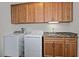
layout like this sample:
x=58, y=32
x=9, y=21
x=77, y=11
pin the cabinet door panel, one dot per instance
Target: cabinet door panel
x=56, y=11
x=14, y=15
x=67, y=11
x=59, y=11
x=48, y=49
x=31, y=12
x=70, y=50
x=39, y=17
x=48, y=11
x=73, y=49
x=70, y=47
x=23, y=13
x=59, y=48
x=54, y=47
x=67, y=50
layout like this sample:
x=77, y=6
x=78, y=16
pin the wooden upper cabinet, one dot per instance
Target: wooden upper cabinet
x=67, y=11
x=14, y=15
x=57, y=11
x=23, y=13
x=48, y=11
x=53, y=11
x=39, y=15
x=39, y=12
x=31, y=12
x=19, y=13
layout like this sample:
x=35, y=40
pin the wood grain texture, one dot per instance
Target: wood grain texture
x=67, y=11
x=70, y=47
x=48, y=11
x=39, y=15
x=14, y=14
x=23, y=13
x=60, y=47
x=31, y=12
x=53, y=47
x=43, y=12
x=56, y=11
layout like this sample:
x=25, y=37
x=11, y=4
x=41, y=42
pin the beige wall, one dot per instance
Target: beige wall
x=7, y=27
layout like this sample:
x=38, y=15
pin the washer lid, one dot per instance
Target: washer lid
x=32, y=35
x=14, y=35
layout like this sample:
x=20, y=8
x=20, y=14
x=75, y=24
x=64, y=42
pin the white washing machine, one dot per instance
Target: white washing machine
x=13, y=45
x=33, y=45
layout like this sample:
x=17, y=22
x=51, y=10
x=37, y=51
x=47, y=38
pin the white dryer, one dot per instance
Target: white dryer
x=33, y=45
x=13, y=45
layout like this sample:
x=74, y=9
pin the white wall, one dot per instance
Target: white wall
x=7, y=27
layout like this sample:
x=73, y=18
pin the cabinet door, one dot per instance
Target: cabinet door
x=31, y=12
x=73, y=50
x=48, y=11
x=23, y=13
x=57, y=11
x=48, y=50
x=14, y=14
x=54, y=47
x=59, y=48
x=67, y=11
x=70, y=48
x=39, y=17
x=48, y=47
